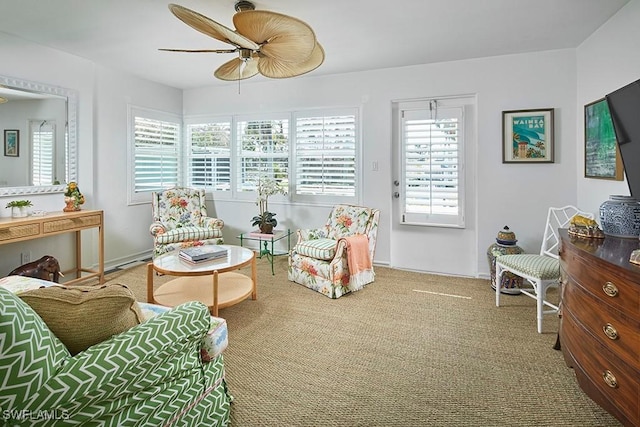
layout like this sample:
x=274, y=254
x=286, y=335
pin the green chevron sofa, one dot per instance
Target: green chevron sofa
x=158, y=373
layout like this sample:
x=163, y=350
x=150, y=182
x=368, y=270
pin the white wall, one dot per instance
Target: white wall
x=103, y=95
x=35, y=63
x=607, y=60
x=126, y=227
x=517, y=195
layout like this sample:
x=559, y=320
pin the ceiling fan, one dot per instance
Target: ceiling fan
x=268, y=43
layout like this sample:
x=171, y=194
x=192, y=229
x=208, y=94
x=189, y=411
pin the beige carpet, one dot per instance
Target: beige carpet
x=408, y=350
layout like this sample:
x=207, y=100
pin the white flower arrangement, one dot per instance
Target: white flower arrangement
x=267, y=187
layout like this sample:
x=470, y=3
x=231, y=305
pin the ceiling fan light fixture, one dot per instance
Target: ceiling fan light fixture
x=269, y=43
x=245, y=54
x=237, y=69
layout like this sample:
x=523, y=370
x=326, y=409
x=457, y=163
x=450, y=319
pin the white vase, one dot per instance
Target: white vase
x=19, y=211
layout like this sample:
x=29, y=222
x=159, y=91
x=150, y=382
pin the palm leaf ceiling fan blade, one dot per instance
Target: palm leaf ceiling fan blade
x=211, y=28
x=281, y=37
x=267, y=43
x=274, y=69
x=237, y=69
x=201, y=50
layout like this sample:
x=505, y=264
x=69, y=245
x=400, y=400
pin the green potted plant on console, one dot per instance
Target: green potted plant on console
x=19, y=208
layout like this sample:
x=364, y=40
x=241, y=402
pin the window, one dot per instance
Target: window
x=42, y=133
x=263, y=150
x=209, y=155
x=431, y=145
x=325, y=156
x=156, y=152
x=313, y=154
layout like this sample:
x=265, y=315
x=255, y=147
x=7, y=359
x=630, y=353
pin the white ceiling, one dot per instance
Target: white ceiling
x=356, y=34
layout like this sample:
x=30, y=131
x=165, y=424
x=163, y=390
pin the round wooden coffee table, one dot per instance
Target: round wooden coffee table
x=213, y=283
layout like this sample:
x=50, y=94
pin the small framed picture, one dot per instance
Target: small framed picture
x=527, y=136
x=601, y=153
x=11, y=142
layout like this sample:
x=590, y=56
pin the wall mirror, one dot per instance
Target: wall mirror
x=38, y=126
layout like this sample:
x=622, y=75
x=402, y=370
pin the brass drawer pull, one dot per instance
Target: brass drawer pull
x=610, y=289
x=610, y=331
x=610, y=379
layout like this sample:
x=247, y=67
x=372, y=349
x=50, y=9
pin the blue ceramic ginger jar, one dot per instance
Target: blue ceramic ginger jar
x=620, y=216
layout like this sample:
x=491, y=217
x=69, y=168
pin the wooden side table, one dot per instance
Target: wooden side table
x=213, y=283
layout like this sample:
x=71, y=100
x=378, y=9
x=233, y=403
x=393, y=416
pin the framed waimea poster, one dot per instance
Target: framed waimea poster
x=601, y=153
x=11, y=143
x=527, y=136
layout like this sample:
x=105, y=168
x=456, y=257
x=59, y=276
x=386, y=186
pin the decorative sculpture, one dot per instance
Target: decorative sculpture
x=581, y=226
x=72, y=197
x=46, y=268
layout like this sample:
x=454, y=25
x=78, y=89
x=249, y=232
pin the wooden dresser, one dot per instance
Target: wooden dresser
x=600, y=324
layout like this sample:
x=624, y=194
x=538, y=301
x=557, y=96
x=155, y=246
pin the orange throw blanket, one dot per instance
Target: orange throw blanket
x=360, y=265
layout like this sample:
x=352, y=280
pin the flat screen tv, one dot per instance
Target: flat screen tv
x=624, y=105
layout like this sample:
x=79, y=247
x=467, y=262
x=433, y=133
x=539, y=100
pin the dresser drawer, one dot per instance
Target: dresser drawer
x=614, y=379
x=602, y=281
x=615, y=330
x=66, y=224
x=17, y=232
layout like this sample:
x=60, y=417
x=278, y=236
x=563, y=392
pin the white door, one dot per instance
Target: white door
x=433, y=225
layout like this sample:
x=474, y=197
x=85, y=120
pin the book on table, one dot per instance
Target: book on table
x=203, y=253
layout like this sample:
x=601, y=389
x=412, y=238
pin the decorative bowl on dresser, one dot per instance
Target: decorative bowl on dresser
x=600, y=321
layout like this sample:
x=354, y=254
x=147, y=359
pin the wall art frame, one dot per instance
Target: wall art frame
x=12, y=142
x=528, y=136
x=602, y=159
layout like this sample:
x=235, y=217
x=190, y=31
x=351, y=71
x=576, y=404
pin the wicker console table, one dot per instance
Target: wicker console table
x=14, y=230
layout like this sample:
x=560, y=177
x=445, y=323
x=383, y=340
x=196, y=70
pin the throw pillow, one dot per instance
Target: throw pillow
x=82, y=316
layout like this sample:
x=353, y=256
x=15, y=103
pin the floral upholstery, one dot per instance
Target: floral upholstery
x=319, y=258
x=180, y=220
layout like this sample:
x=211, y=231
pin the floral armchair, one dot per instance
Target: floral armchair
x=180, y=220
x=320, y=260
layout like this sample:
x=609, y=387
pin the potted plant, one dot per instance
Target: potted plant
x=265, y=220
x=19, y=208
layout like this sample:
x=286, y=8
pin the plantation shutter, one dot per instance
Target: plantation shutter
x=42, y=152
x=156, y=154
x=263, y=152
x=431, y=163
x=325, y=155
x=209, y=155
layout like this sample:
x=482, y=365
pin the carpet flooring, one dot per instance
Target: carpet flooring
x=410, y=349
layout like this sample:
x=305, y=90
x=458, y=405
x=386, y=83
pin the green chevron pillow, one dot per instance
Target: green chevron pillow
x=29, y=352
x=82, y=316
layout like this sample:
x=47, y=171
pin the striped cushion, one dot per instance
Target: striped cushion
x=317, y=248
x=537, y=266
x=184, y=234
